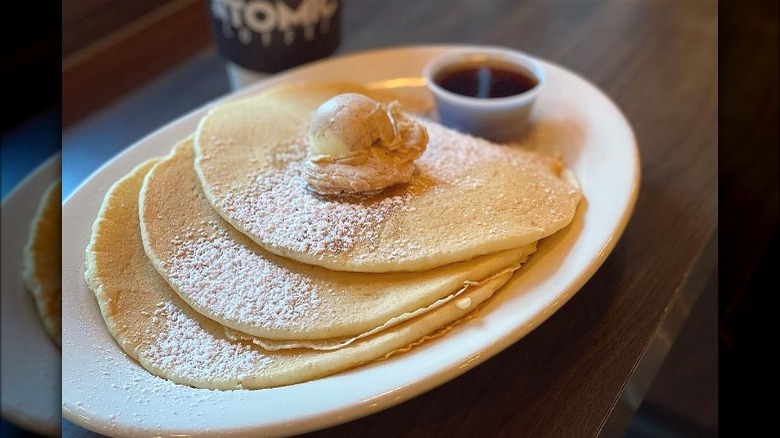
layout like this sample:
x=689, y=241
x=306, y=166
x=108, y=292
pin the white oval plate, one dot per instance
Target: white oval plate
x=105, y=391
x=30, y=372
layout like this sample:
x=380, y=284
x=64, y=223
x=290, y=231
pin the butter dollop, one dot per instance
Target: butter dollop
x=359, y=146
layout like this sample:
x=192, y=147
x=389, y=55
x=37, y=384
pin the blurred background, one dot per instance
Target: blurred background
x=119, y=56
x=31, y=136
x=31, y=91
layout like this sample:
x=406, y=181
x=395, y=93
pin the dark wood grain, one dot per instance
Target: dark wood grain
x=86, y=21
x=114, y=65
x=658, y=61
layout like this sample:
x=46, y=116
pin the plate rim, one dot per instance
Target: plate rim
x=420, y=385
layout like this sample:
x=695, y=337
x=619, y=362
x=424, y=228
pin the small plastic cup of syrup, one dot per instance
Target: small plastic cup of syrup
x=487, y=92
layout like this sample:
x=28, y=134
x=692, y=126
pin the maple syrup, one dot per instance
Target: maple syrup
x=485, y=81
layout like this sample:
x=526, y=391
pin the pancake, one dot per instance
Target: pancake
x=230, y=279
x=469, y=197
x=42, y=261
x=171, y=340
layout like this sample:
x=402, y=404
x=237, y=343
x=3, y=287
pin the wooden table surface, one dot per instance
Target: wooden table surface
x=584, y=371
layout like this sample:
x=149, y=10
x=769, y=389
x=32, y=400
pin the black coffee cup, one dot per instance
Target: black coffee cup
x=260, y=37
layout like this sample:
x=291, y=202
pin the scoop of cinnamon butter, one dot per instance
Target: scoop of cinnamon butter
x=359, y=146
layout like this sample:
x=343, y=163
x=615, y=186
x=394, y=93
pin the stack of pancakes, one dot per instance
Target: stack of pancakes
x=216, y=267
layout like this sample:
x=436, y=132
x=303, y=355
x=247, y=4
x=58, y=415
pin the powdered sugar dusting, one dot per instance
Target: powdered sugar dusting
x=451, y=155
x=189, y=351
x=218, y=272
x=126, y=390
x=277, y=208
